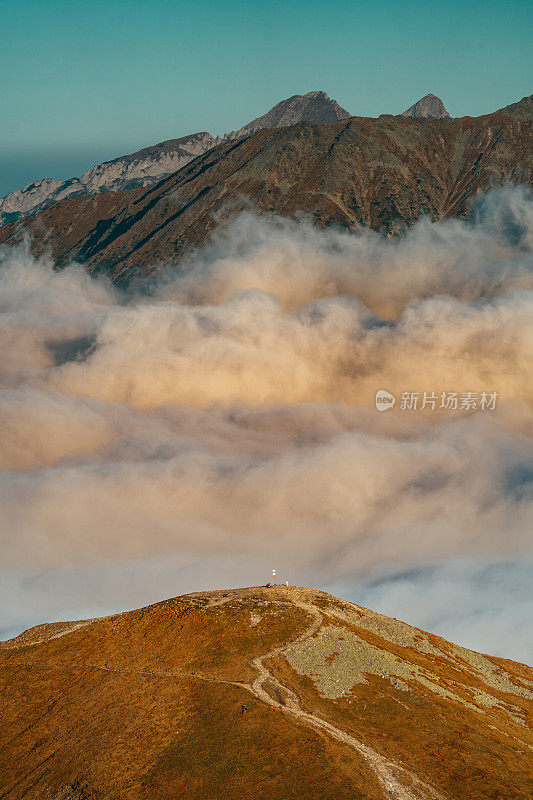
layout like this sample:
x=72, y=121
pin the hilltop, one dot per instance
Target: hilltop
x=340, y=700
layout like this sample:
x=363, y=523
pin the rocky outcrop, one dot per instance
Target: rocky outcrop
x=142, y=168
x=36, y=196
x=523, y=109
x=428, y=107
x=151, y=164
x=147, y=165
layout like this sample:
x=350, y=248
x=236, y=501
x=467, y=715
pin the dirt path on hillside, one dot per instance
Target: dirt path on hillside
x=67, y=627
x=398, y=782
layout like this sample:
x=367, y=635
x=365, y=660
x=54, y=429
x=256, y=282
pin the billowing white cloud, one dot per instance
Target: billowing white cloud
x=221, y=416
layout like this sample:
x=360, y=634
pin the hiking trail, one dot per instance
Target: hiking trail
x=398, y=782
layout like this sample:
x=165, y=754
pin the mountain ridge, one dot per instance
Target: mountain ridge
x=382, y=174
x=314, y=106
x=150, y=164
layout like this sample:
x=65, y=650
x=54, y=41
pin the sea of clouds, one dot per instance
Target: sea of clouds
x=217, y=420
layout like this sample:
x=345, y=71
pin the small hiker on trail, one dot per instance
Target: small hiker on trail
x=244, y=709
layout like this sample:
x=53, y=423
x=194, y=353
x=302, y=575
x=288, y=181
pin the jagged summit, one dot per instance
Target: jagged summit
x=428, y=107
x=310, y=107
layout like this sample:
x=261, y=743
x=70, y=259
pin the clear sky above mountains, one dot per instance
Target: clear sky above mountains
x=85, y=82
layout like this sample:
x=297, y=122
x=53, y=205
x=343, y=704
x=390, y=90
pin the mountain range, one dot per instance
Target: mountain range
x=259, y=692
x=382, y=174
x=151, y=164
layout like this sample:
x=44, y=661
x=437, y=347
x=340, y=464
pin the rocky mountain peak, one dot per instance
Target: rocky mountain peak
x=428, y=107
x=311, y=107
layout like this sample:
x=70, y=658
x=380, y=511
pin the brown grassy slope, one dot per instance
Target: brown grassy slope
x=104, y=712
x=379, y=173
x=138, y=705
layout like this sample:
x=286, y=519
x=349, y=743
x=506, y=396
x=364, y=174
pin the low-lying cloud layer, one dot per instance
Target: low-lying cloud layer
x=221, y=418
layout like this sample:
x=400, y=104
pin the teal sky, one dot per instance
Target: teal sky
x=82, y=82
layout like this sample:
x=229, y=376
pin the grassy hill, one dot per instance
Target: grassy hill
x=342, y=703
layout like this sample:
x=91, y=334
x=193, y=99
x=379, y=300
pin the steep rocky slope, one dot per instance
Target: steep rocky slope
x=381, y=173
x=342, y=703
x=145, y=167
